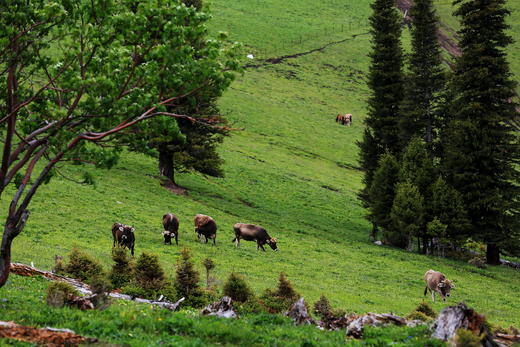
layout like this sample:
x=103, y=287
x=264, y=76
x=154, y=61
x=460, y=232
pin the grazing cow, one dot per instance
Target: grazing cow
x=171, y=228
x=437, y=282
x=123, y=236
x=252, y=232
x=205, y=226
x=348, y=119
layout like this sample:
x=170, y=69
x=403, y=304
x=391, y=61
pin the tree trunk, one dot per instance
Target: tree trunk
x=492, y=254
x=5, y=255
x=425, y=245
x=166, y=164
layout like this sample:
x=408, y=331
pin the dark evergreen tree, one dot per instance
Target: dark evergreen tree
x=382, y=191
x=426, y=78
x=448, y=208
x=480, y=147
x=407, y=216
x=386, y=83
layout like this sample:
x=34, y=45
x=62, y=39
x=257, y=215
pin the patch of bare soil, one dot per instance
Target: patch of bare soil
x=42, y=336
x=172, y=187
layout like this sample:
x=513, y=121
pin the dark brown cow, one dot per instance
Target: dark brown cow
x=252, y=232
x=437, y=282
x=171, y=228
x=123, y=236
x=205, y=226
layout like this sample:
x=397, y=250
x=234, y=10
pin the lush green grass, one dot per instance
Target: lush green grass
x=292, y=169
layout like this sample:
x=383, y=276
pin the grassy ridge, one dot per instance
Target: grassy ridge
x=292, y=169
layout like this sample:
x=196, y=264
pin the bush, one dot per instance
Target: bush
x=123, y=271
x=280, y=299
x=149, y=274
x=101, y=287
x=209, y=265
x=58, y=292
x=465, y=338
x=187, y=280
x=423, y=307
x=58, y=268
x=478, y=261
x=237, y=289
x=322, y=307
x=82, y=266
x=416, y=315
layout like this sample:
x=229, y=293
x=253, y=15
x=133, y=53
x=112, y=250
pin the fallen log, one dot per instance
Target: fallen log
x=356, y=326
x=83, y=288
x=42, y=336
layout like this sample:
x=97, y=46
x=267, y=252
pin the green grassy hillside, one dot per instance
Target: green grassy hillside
x=291, y=169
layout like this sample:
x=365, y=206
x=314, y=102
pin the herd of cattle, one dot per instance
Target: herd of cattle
x=205, y=227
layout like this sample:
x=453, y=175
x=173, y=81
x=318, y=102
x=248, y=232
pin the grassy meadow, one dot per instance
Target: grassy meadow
x=290, y=168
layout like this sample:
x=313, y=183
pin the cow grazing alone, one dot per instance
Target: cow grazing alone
x=171, y=228
x=252, y=232
x=344, y=119
x=437, y=282
x=205, y=226
x=123, y=236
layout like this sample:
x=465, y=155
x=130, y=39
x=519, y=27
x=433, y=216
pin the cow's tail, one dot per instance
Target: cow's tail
x=425, y=290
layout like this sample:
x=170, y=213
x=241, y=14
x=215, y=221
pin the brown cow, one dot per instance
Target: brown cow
x=171, y=227
x=437, y=282
x=344, y=119
x=123, y=236
x=252, y=232
x=205, y=226
x=348, y=119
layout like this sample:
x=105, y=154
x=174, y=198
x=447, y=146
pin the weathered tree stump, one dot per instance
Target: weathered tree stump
x=43, y=336
x=298, y=313
x=222, y=308
x=457, y=317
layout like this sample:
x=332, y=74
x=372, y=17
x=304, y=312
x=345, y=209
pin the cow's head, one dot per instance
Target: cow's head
x=272, y=243
x=445, y=287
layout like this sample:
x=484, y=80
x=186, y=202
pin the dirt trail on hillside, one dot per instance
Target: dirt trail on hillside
x=446, y=42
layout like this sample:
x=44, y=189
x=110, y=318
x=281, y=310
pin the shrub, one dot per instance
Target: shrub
x=425, y=308
x=149, y=274
x=134, y=290
x=478, y=261
x=58, y=292
x=208, y=265
x=101, y=287
x=465, y=338
x=58, y=268
x=322, y=307
x=82, y=266
x=237, y=289
x=187, y=280
x=416, y=315
x=123, y=271
x=280, y=299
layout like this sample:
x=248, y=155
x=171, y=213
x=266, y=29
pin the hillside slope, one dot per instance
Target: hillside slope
x=292, y=169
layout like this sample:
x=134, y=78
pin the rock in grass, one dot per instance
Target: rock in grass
x=222, y=308
x=298, y=313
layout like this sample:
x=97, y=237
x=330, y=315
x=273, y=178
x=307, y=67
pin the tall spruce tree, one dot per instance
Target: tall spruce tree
x=407, y=216
x=480, y=148
x=382, y=192
x=426, y=78
x=386, y=83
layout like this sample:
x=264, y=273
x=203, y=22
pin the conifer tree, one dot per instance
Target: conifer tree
x=426, y=78
x=382, y=191
x=407, y=216
x=386, y=83
x=480, y=148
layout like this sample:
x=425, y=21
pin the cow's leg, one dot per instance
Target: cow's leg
x=237, y=242
x=214, y=240
x=176, y=239
x=206, y=239
x=262, y=246
x=433, y=295
x=132, y=250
